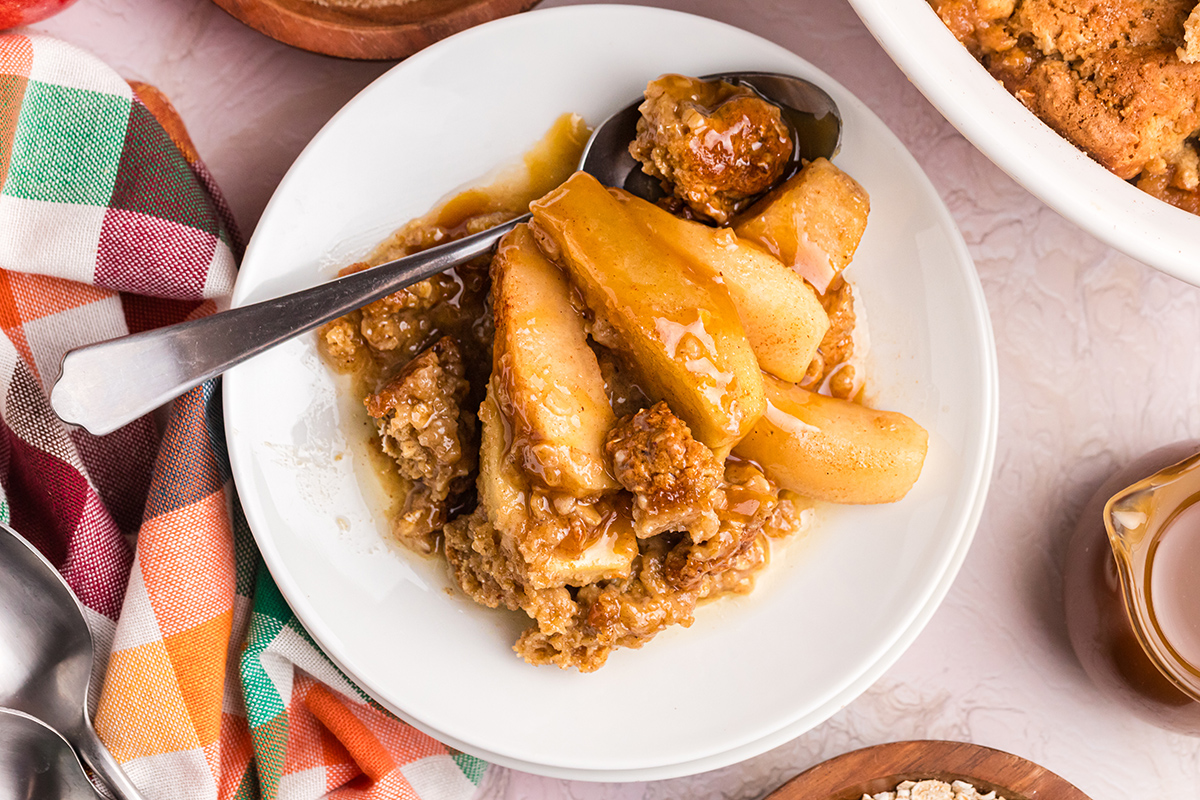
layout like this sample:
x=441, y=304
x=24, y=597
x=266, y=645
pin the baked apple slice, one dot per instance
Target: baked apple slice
x=782, y=315
x=813, y=222
x=834, y=450
x=676, y=325
x=547, y=379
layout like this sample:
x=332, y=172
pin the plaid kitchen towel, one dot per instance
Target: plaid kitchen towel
x=109, y=224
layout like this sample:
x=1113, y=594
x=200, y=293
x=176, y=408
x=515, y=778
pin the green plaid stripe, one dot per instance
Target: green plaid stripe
x=270, y=753
x=266, y=709
x=248, y=788
x=271, y=613
x=472, y=767
x=67, y=145
x=155, y=180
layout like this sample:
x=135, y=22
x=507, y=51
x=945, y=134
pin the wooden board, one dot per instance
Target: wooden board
x=881, y=768
x=391, y=32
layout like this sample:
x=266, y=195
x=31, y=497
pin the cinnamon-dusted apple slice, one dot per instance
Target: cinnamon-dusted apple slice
x=834, y=450
x=676, y=326
x=813, y=222
x=782, y=315
x=547, y=379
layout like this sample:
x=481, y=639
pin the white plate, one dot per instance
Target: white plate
x=1059, y=174
x=828, y=617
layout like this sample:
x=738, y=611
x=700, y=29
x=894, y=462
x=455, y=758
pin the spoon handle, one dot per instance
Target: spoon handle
x=96, y=755
x=106, y=385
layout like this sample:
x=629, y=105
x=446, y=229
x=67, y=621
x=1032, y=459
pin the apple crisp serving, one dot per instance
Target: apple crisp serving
x=609, y=419
x=1120, y=79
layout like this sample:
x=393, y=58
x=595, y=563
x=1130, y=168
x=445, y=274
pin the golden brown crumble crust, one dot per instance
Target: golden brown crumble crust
x=1118, y=78
x=747, y=502
x=674, y=479
x=673, y=571
x=425, y=428
x=478, y=561
x=627, y=612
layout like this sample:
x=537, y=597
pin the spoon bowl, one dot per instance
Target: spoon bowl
x=46, y=648
x=36, y=762
x=807, y=109
x=171, y=360
x=46, y=657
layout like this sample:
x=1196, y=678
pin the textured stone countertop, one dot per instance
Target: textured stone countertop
x=1099, y=361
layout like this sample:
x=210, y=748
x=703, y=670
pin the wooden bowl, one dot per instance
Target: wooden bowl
x=881, y=768
x=386, y=33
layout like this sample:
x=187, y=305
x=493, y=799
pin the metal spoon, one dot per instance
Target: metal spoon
x=46, y=654
x=106, y=385
x=35, y=762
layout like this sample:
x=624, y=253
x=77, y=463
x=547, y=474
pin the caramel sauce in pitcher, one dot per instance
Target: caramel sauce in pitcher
x=1174, y=588
x=1132, y=597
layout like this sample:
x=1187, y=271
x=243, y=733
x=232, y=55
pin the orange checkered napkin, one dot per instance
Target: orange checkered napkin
x=109, y=224
x=213, y=681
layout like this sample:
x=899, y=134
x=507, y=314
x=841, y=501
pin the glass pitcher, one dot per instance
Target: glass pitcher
x=1132, y=587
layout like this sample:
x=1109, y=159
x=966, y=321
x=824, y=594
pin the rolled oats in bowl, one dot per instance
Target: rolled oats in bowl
x=933, y=790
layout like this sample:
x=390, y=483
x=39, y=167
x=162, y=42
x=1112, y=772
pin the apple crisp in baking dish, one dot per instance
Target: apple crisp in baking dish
x=1120, y=79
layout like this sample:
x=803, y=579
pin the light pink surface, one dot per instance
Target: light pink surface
x=1098, y=363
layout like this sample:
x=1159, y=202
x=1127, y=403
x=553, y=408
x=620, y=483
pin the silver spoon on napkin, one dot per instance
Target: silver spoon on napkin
x=106, y=385
x=46, y=656
x=36, y=762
